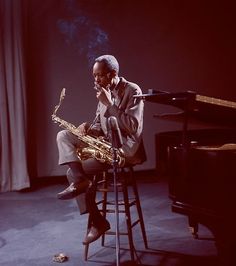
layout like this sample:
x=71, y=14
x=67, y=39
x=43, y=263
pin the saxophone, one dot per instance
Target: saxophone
x=97, y=148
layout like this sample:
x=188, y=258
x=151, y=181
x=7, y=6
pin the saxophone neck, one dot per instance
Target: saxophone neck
x=56, y=119
x=53, y=117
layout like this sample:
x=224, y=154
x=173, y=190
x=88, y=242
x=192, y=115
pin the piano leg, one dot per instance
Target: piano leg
x=193, y=227
x=225, y=239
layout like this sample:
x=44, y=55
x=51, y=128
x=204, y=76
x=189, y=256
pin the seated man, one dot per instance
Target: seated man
x=115, y=98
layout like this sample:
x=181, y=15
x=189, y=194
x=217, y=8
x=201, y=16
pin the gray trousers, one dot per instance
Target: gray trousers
x=67, y=144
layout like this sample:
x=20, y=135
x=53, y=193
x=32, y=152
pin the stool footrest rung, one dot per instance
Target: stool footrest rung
x=111, y=211
x=112, y=233
x=106, y=190
x=120, y=202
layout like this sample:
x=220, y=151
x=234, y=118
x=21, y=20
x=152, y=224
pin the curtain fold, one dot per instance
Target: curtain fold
x=13, y=105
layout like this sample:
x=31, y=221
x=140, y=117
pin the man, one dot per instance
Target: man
x=115, y=98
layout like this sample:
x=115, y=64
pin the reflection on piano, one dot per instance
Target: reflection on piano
x=202, y=178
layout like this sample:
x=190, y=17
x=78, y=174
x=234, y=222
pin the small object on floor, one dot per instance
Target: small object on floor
x=61, y=257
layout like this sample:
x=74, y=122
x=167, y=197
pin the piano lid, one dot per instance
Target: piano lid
x=205, y=108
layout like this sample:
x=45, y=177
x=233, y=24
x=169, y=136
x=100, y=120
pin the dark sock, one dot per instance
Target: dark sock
x=96, y=217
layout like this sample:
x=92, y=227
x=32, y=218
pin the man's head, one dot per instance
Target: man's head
x=105, y=69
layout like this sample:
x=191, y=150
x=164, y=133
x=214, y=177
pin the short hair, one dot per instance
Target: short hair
x=110, y=61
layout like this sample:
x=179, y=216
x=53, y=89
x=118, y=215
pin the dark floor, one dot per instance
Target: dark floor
x=35, y=225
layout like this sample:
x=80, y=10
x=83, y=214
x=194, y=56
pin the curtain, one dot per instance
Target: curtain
x=13, y=121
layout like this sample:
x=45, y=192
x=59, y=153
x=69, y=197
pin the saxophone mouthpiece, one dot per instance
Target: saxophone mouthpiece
x=62, y=96
x=63, y=93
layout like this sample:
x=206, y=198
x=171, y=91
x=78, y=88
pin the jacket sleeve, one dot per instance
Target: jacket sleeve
x=96, y=129
x=129, y=113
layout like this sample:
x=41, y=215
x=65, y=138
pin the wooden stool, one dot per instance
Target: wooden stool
x=105, y=185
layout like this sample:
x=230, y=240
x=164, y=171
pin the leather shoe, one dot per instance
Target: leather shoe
x=94, y=233
x=74, y=190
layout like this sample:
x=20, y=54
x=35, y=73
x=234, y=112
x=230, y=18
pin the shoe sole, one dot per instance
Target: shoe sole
x=74, y=194
x=102, y=233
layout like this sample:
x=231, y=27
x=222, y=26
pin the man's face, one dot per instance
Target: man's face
x=101, y=75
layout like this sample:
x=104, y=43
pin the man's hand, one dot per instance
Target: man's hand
x=82, y=129
x=103, y=95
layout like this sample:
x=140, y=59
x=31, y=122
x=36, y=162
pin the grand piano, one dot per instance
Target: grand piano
x=202, y=175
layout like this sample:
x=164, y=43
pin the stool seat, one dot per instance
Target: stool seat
x=128, y=198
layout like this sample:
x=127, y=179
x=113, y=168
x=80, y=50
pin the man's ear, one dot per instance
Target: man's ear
x=111, y=74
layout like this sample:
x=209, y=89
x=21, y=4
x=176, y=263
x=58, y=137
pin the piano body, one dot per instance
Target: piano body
x=201, y=177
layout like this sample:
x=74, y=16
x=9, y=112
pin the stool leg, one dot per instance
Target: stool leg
x=89, y=222
x=128, y=218
x=87, y=246
x=139, y=210
x=125, y=190
x=104, y=202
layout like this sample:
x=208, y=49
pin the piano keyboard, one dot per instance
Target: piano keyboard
x=215, y=101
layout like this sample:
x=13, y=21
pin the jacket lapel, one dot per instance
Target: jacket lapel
x=121, y=91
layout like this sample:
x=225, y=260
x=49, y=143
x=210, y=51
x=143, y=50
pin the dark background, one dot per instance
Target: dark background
x=163, y=45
